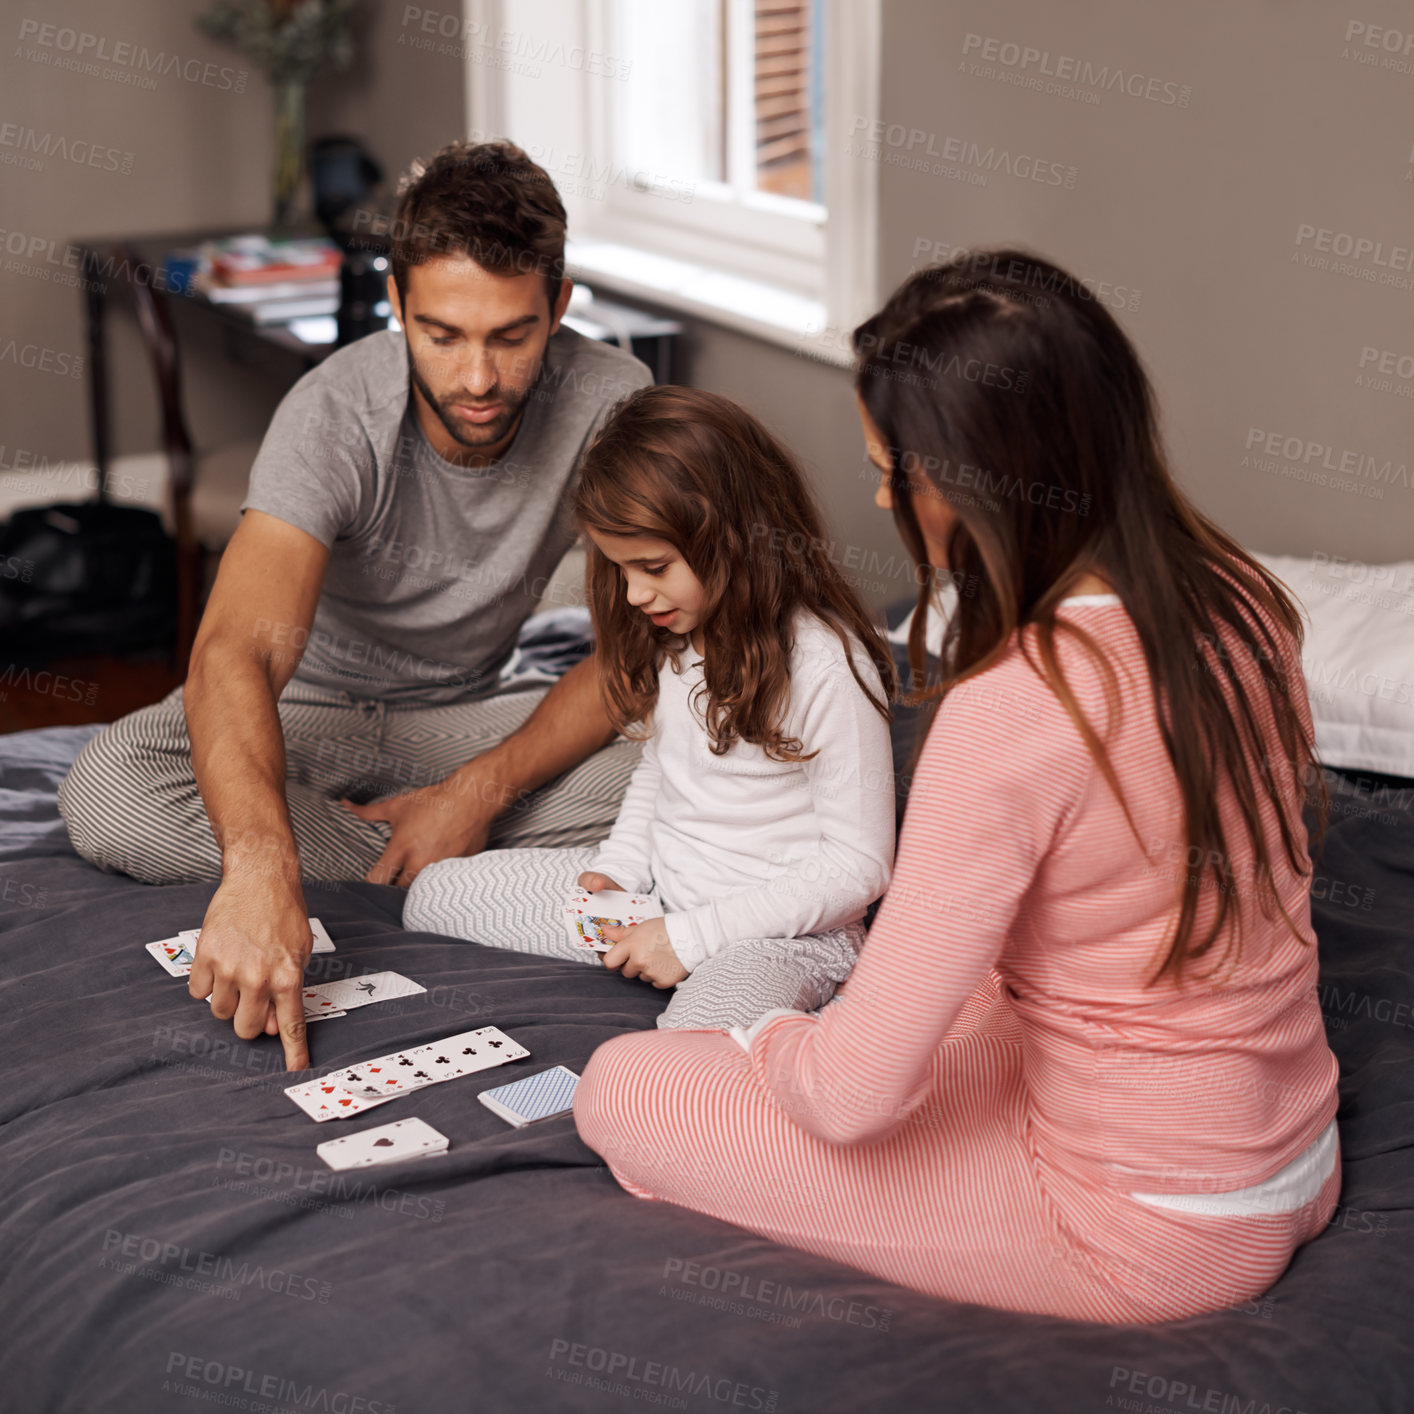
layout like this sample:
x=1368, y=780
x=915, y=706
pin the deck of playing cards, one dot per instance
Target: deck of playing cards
x=534, y=1097
x=384, y=1144
x=587, y=914
x=356, y=1088
x=175, y=955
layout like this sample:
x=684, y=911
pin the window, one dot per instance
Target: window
x=726, y=92
x=700, y=146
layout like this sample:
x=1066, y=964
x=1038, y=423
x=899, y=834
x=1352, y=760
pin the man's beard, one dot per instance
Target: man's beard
x=474, y=435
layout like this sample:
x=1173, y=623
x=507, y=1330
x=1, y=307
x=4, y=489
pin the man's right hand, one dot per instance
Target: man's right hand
x=250, y=960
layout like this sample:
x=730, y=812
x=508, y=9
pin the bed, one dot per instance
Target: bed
x=169, y=1239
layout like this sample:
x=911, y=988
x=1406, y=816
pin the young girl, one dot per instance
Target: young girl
x=1073, y=1073
x=761, y=813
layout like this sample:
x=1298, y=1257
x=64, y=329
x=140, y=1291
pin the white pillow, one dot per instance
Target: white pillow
x=1358, y=658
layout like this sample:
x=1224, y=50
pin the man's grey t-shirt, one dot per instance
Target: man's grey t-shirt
x=433, y=567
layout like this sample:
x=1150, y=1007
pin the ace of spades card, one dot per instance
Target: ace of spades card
x=388, y=1143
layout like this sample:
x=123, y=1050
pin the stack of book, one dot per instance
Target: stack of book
x=270, y=281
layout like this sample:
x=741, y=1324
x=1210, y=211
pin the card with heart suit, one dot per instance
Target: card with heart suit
x=387, y=1076
x=384, y=1144
x=586, y=914
x=350, y=992
x=175, y=955
x=322, y=1099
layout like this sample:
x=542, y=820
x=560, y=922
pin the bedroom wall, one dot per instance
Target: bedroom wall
x=1194, y=213
x=181, y=157
x=1197, y=220
x=189, y=154
x=1200, y=203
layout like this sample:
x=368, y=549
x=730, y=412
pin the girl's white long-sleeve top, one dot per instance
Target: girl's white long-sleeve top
x=741, y=846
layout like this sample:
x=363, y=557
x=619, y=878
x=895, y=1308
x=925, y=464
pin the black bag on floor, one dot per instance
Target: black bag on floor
x=85, y=577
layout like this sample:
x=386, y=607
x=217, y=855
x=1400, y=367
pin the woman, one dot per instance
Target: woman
x=1080, y=1067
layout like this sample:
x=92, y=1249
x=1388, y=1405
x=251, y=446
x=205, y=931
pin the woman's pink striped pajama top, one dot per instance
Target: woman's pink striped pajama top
x=973, y=1115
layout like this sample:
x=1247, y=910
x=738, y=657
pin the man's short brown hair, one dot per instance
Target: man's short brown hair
x=484, y=200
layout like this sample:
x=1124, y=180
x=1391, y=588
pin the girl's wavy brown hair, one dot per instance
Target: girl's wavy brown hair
x=1000, y=365
x=696, y=470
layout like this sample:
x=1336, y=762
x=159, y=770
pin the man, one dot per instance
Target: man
x=407, y=507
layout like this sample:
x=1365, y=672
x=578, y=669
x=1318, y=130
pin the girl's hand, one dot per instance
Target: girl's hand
x=643, y=950
x=596, y=883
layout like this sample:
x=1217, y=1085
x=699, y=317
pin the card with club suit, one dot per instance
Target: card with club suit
x=403, y=1071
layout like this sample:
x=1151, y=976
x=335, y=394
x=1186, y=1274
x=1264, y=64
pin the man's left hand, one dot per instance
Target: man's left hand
x=442, y=821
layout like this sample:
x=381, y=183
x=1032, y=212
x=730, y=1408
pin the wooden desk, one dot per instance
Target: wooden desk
x=108, y=263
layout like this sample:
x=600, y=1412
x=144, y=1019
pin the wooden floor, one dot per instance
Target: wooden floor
x=73, y=691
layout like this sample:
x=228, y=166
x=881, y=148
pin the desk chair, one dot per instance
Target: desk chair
x=205, y=489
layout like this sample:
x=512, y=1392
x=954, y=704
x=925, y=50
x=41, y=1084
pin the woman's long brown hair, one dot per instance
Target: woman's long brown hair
x=998, y=372
x=696, y=470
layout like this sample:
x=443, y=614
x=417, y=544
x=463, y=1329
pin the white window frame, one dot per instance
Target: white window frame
x=788, y=271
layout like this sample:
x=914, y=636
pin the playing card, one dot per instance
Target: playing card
x=174, y=954
x=587, y=914
x=321, y=1100
x=322, y=941
x=540, y=1096
x=177, y=954
x=350, y=992
x=403, y=1071
x=384, y=1144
